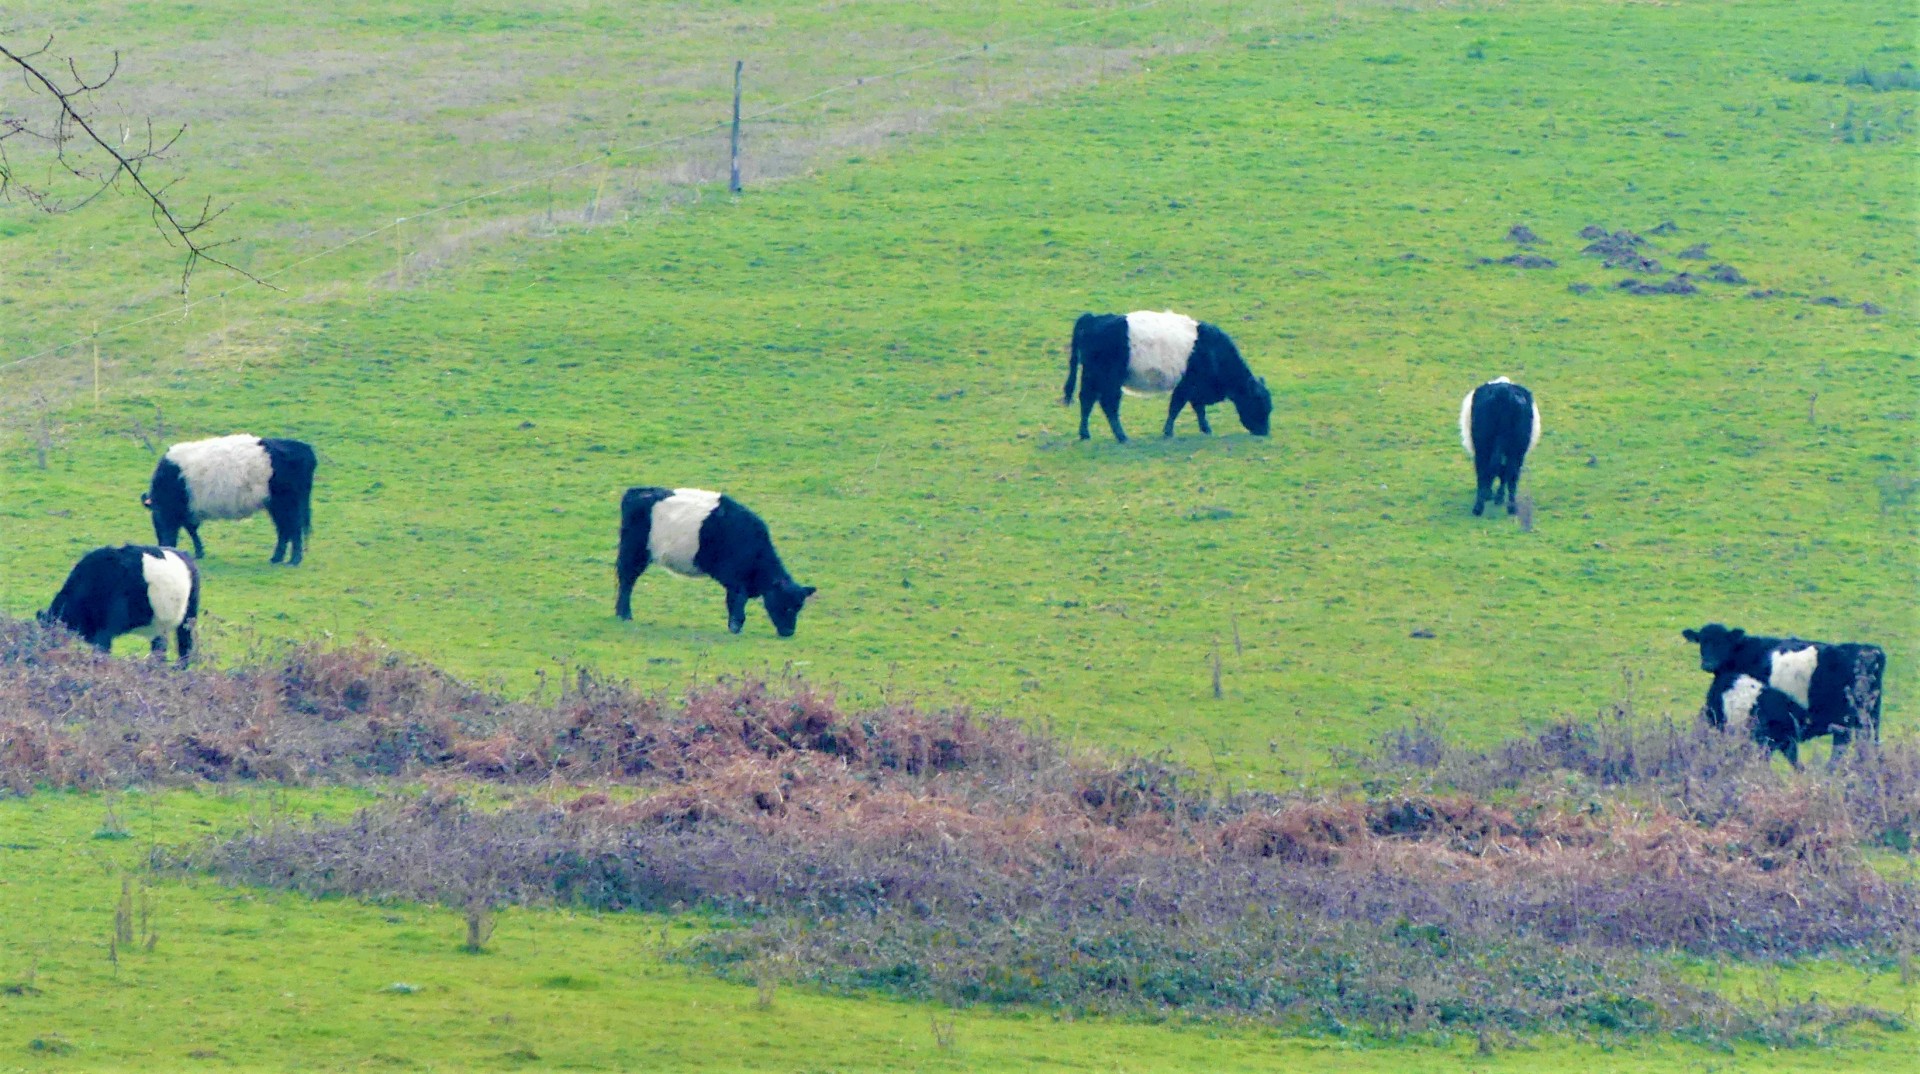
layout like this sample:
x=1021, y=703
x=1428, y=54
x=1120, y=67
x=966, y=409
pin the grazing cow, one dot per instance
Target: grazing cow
x=699, y=534
x=1148, y=352
x=1837, y=685
x=1499, y=424
x=132, y=589
x=232, y=477
x=1769, y=716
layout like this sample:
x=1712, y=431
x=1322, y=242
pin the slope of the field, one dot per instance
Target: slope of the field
x=872, y=360
x=358, y=146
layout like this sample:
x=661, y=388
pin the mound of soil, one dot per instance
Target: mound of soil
x=1696, y=252
x=1593, y=231
x=1621, y=249
x=1520, y=261
x=1522, y=234
x=1771, y=292
x=1666, y=227
x=1870, y=309
x=1830, y=300
x=1725, y=274
x=1681, y=284
x=1579, y=288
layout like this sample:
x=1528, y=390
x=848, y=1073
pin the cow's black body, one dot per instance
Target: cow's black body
x=107, y=595
x=734, y=550
x=1215, y=372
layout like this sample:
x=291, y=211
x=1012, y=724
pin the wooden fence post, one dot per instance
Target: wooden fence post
x=733, y=178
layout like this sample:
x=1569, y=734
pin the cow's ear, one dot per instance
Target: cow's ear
x=807, y=591
x=1690, y=634
x=1736, y=633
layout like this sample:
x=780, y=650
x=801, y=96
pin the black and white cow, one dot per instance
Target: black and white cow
x=1499, y=424
x=232, y=477
x=1837, y=685
x=132, y=589
x=1771, y=718
x=1147, y=352
x=699, y=534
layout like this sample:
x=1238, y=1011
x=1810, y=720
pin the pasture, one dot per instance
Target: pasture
x=871, y=361
x=869, y=354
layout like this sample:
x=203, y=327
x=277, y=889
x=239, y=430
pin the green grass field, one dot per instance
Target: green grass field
x=871, y=358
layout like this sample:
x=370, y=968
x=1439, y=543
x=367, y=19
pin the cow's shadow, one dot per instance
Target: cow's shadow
x=1102, y=449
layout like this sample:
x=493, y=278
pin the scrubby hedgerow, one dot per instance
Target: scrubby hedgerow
x=970, y=859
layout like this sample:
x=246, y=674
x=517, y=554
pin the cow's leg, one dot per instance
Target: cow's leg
x=631, y=563
x=183, y=640
x=1110, y=406
x=285, y=513
x=157, y=649
x=1483, y=488
x=1174, y=402
x=1086, y=410
x=1792, y=750
x=1200, y=415
x=736, y=610
x=629, y=570
x=1513, y=490
x=193, y=531
x=101, y=640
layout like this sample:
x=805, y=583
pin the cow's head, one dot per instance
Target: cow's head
x=1255, y=405
x=1716, y=644
x=784, y=602
x=146, y=500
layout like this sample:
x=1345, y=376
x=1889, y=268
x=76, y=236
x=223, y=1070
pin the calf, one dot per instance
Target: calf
x=1837, y=685
x=699, y=534
x=1499, y=424
x=1769, y=716
x=1148, y=352
x=232, y=477
x=132, y=589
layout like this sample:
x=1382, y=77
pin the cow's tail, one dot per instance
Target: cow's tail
x=1073, y=358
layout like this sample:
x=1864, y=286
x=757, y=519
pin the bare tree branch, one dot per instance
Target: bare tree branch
x=78, y=149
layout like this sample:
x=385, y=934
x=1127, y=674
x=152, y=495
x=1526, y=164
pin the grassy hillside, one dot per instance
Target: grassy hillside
x=361, y=146
x=871, y=356
x=872, y=360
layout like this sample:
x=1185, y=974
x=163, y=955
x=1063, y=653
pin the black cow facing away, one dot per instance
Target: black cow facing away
x=132, y=589
x=699, y=534
x=1838, y=686
x=232, y=477
x=1499, y=424
x=1148, y=352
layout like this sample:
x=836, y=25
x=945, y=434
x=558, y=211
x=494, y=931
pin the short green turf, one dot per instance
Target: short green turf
x=871, y=358
x=872, y=361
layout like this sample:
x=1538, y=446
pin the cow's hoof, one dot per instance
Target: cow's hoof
x=735, y=628
x=625, y=616
x=1479, y=509
x=1513, y=509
